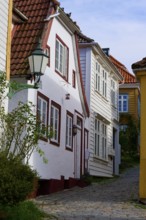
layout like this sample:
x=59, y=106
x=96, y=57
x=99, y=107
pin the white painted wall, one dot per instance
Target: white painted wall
x=99, y=104
x=60, y=160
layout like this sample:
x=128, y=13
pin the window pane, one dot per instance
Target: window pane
x=42, y=115
x=55, y=123
x=61, y=58
x=65, y=62
x=69, y=131
x=123, y=103
x=57, y=56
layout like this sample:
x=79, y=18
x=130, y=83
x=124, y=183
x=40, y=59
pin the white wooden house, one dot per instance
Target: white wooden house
x=5, y=39
x=4, y=6
x=60, y=100
x=101, y=83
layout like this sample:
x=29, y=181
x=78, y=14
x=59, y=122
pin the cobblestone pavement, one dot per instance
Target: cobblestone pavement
x=112, y=200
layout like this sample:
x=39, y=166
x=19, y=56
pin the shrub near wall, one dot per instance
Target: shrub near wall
x=16, y=180
x=129, y=137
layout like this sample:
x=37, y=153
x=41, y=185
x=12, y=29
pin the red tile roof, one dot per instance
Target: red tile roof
x=128, y=77
x=27, y=34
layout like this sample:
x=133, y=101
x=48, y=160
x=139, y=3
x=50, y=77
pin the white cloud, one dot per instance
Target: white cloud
x=118, y=24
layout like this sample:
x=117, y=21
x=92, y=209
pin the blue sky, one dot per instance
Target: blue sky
x=117, y=24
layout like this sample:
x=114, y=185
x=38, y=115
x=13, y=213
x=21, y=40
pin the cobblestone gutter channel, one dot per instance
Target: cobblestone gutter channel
x=114, y=200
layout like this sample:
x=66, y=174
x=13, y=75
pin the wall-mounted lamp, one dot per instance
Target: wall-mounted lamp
x=74, y=130
x=38, y=61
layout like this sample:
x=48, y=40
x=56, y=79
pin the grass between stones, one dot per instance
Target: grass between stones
x=26, y=210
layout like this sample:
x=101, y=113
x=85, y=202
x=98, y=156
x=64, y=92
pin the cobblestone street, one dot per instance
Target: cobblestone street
x=115, y=200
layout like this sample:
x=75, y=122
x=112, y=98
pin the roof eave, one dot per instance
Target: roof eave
x=135, y=70
x=96, y=46
x=68, y=21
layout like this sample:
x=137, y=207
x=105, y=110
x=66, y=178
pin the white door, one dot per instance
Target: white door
x=78, y=154
x=78, y=147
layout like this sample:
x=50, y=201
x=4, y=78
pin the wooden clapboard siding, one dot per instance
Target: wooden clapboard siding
x=3, y=32
x=132, y=101
x=101, y=105
x=10, y=6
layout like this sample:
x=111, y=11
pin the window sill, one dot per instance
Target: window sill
x=113, y=106
x=124, y=113
x=61, y=75
x=54, y=143
x=69, y=149
x=98, y=93
x=100, y=158
x=103, y=97
x=43, y=138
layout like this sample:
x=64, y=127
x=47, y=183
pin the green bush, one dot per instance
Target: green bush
x=16, y=180
x=129, y=138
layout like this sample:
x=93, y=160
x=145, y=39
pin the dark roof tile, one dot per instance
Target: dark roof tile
x=140, y=64
x=26, y=37
x=83, y=39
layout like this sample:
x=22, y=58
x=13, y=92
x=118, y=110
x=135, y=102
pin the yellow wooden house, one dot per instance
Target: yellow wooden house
x=129, y=95
x=139, y=68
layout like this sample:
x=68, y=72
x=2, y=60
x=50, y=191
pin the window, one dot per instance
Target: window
x=73, y=79
x=104, y=83
x=97, y=137
x=113, y=93
x=55, y=123
x=100, y=139
x=97, y=77
x=104, y=142
x=42, y=114
x=69, y=125
x=61, y=58
x=123, y=103
x=47, y=52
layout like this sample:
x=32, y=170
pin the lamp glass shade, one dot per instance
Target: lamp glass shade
x=44, y=64
x=30, y=58
x=38, y=61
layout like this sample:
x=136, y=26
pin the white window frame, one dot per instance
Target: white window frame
x=123, y=102
x=113, y=92
x=61, y=58
x=69, y=135
x=104, y=140
x=97, y=137
x=100, y=141
x=104, y=83
x=97, y=76
x=42, y=114
x=55, y=123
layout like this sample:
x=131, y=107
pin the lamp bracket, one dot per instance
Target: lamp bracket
x=15, y=87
